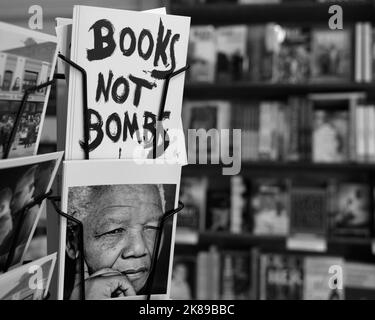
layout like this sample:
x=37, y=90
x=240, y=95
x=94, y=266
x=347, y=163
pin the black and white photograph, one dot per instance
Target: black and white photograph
x=200, y=154
x=22, y=180
x=27, y=59
x=121, y=219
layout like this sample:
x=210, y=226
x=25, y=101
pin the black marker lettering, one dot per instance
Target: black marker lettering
x=139, y=82
x=127, y=31
x=120, y=98
x=100, y=51
x=116, y=133
x=131, y=126
x=101, y=88
x=147, y=54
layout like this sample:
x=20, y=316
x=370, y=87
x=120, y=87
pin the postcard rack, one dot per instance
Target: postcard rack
x=14, y=240
x=167, y=215
x=85, y=146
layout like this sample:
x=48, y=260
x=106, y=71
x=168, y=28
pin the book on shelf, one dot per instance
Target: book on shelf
x=238, y=203
x=350, y=211
x=208, y=274
x=338, y=128
x=331, y=55
x=183, y=283
x=308, y=218
x=359, y=279
x=191, y=219
x=319, y=282
x=227, y=274
x=203, y=116
x=291, y=51
x=269, y=207
x=237, y=280
x=218, y=210
x=231, y=52
x=281, y=277
x=202, y=54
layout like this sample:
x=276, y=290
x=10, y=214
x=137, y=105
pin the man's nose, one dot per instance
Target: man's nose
x=135, y=245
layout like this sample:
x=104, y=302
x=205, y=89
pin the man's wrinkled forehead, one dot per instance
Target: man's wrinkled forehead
x=128, y=195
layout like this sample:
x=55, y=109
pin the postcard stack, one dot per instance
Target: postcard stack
x=27, y=60
x=122, y=168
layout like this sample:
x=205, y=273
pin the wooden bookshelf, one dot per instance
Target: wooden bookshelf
x=274, y=243
x=248, y=90
x=301, y=13
x=296, y=12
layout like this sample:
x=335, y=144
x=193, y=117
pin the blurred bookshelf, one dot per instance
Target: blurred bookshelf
x=293, y=11
x=218, y=253
x=247, y=90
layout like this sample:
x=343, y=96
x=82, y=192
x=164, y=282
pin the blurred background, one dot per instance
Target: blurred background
x=298, y=221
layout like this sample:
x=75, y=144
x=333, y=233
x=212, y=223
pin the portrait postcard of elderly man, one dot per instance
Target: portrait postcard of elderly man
x=120, y=204
x=22, y=180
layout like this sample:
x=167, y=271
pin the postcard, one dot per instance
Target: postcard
x=127, y=56
x=27, y=59
x=28, y=282
x=120, y=204
x=22, y=180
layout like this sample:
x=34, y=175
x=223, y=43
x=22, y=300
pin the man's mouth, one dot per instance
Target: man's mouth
x=136, y=273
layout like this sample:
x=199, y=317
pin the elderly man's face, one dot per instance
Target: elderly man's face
x=120, y=234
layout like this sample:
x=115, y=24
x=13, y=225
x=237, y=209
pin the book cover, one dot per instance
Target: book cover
x=27, y=59
x=22, y=180
x=293, y=54
x=202, y=54
x=260, y=59
x=183, y=283
x=359, y=281
x=331, y=55
x=281, y=277
x=269, y=207
x=351, y=214
x=121, y=216
x=330, y=136
x=202, y=283
x=236, y=275
x=127, y=56
x=317, y=279
x=28, y=282
x=239, y=203
x=335, y=128
x=308, y=210
x=231, y=52
x=358, y=58
x=193, y=195
x=218, y=210
x=202, y=116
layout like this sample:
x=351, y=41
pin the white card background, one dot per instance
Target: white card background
x=82, y=39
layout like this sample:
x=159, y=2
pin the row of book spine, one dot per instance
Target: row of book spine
x=253, y=274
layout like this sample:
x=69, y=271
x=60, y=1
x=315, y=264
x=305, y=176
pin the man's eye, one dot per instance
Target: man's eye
x=114, y=231
x=151, y=227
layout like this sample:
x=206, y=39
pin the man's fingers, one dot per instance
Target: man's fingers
x=121, y=283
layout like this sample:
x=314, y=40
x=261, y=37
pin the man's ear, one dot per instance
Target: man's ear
x=72, y=241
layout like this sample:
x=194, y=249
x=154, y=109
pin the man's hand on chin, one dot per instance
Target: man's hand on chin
x=105, y=284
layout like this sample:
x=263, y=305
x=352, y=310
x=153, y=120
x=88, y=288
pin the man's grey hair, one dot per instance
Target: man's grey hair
x=80, y=202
